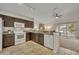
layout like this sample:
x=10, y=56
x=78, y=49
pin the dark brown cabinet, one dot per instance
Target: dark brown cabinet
x=38, y=38
x=9, y=21
x=8, y=40
x=28, y=36
x=31, y=25
x=41, y=39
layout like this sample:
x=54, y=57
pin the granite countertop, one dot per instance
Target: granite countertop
x=42, y=32
x=33, y=31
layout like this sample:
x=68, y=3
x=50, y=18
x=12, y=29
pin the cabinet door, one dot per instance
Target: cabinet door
x=27, y=24
x=48, y=41
x=34, y=37
x=38, y=38
x=8, y=40
x=31, y=24
x=8, y=21
x=28, y=36
x=41, y=39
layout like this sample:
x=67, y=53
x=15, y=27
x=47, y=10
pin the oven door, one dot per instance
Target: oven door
x=20, y=38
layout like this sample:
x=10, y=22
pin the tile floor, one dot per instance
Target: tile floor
x=27, y=48
x=70, y=43
x=32, y=48
x=64, y=51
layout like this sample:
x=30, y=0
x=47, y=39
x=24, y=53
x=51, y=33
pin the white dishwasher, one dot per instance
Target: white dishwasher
x=48, y=41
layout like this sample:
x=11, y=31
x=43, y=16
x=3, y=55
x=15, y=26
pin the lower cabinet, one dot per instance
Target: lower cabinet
x=41, y=39
x=28, y=36
x=38, y=38
x=8, y=40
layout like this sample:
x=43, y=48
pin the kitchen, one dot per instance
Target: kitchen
x=17, y=31
x=36, y=29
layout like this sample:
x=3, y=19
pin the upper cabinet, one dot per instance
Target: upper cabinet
x=29, y=24
x=9, y=21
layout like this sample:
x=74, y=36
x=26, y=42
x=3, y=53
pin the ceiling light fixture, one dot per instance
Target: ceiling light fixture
x=56, y=14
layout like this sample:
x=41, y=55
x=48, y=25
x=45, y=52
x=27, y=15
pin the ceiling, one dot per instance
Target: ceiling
x=42, y=12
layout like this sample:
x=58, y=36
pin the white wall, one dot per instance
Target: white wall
x=0, y=34
x=77, y=27
x=8, y=28
x=36, y=23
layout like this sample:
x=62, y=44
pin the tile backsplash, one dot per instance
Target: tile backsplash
x=8, y=28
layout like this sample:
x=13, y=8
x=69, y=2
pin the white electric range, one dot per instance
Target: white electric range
x=20, y=35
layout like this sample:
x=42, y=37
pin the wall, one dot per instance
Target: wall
x=0, y=34
x=77, y=27
x=8, y=28
x=36, y=24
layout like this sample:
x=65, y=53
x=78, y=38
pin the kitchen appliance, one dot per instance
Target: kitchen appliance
x=48, y=41
x=20, y=35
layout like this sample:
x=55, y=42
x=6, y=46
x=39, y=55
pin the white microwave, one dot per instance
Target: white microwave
x=19, y=25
